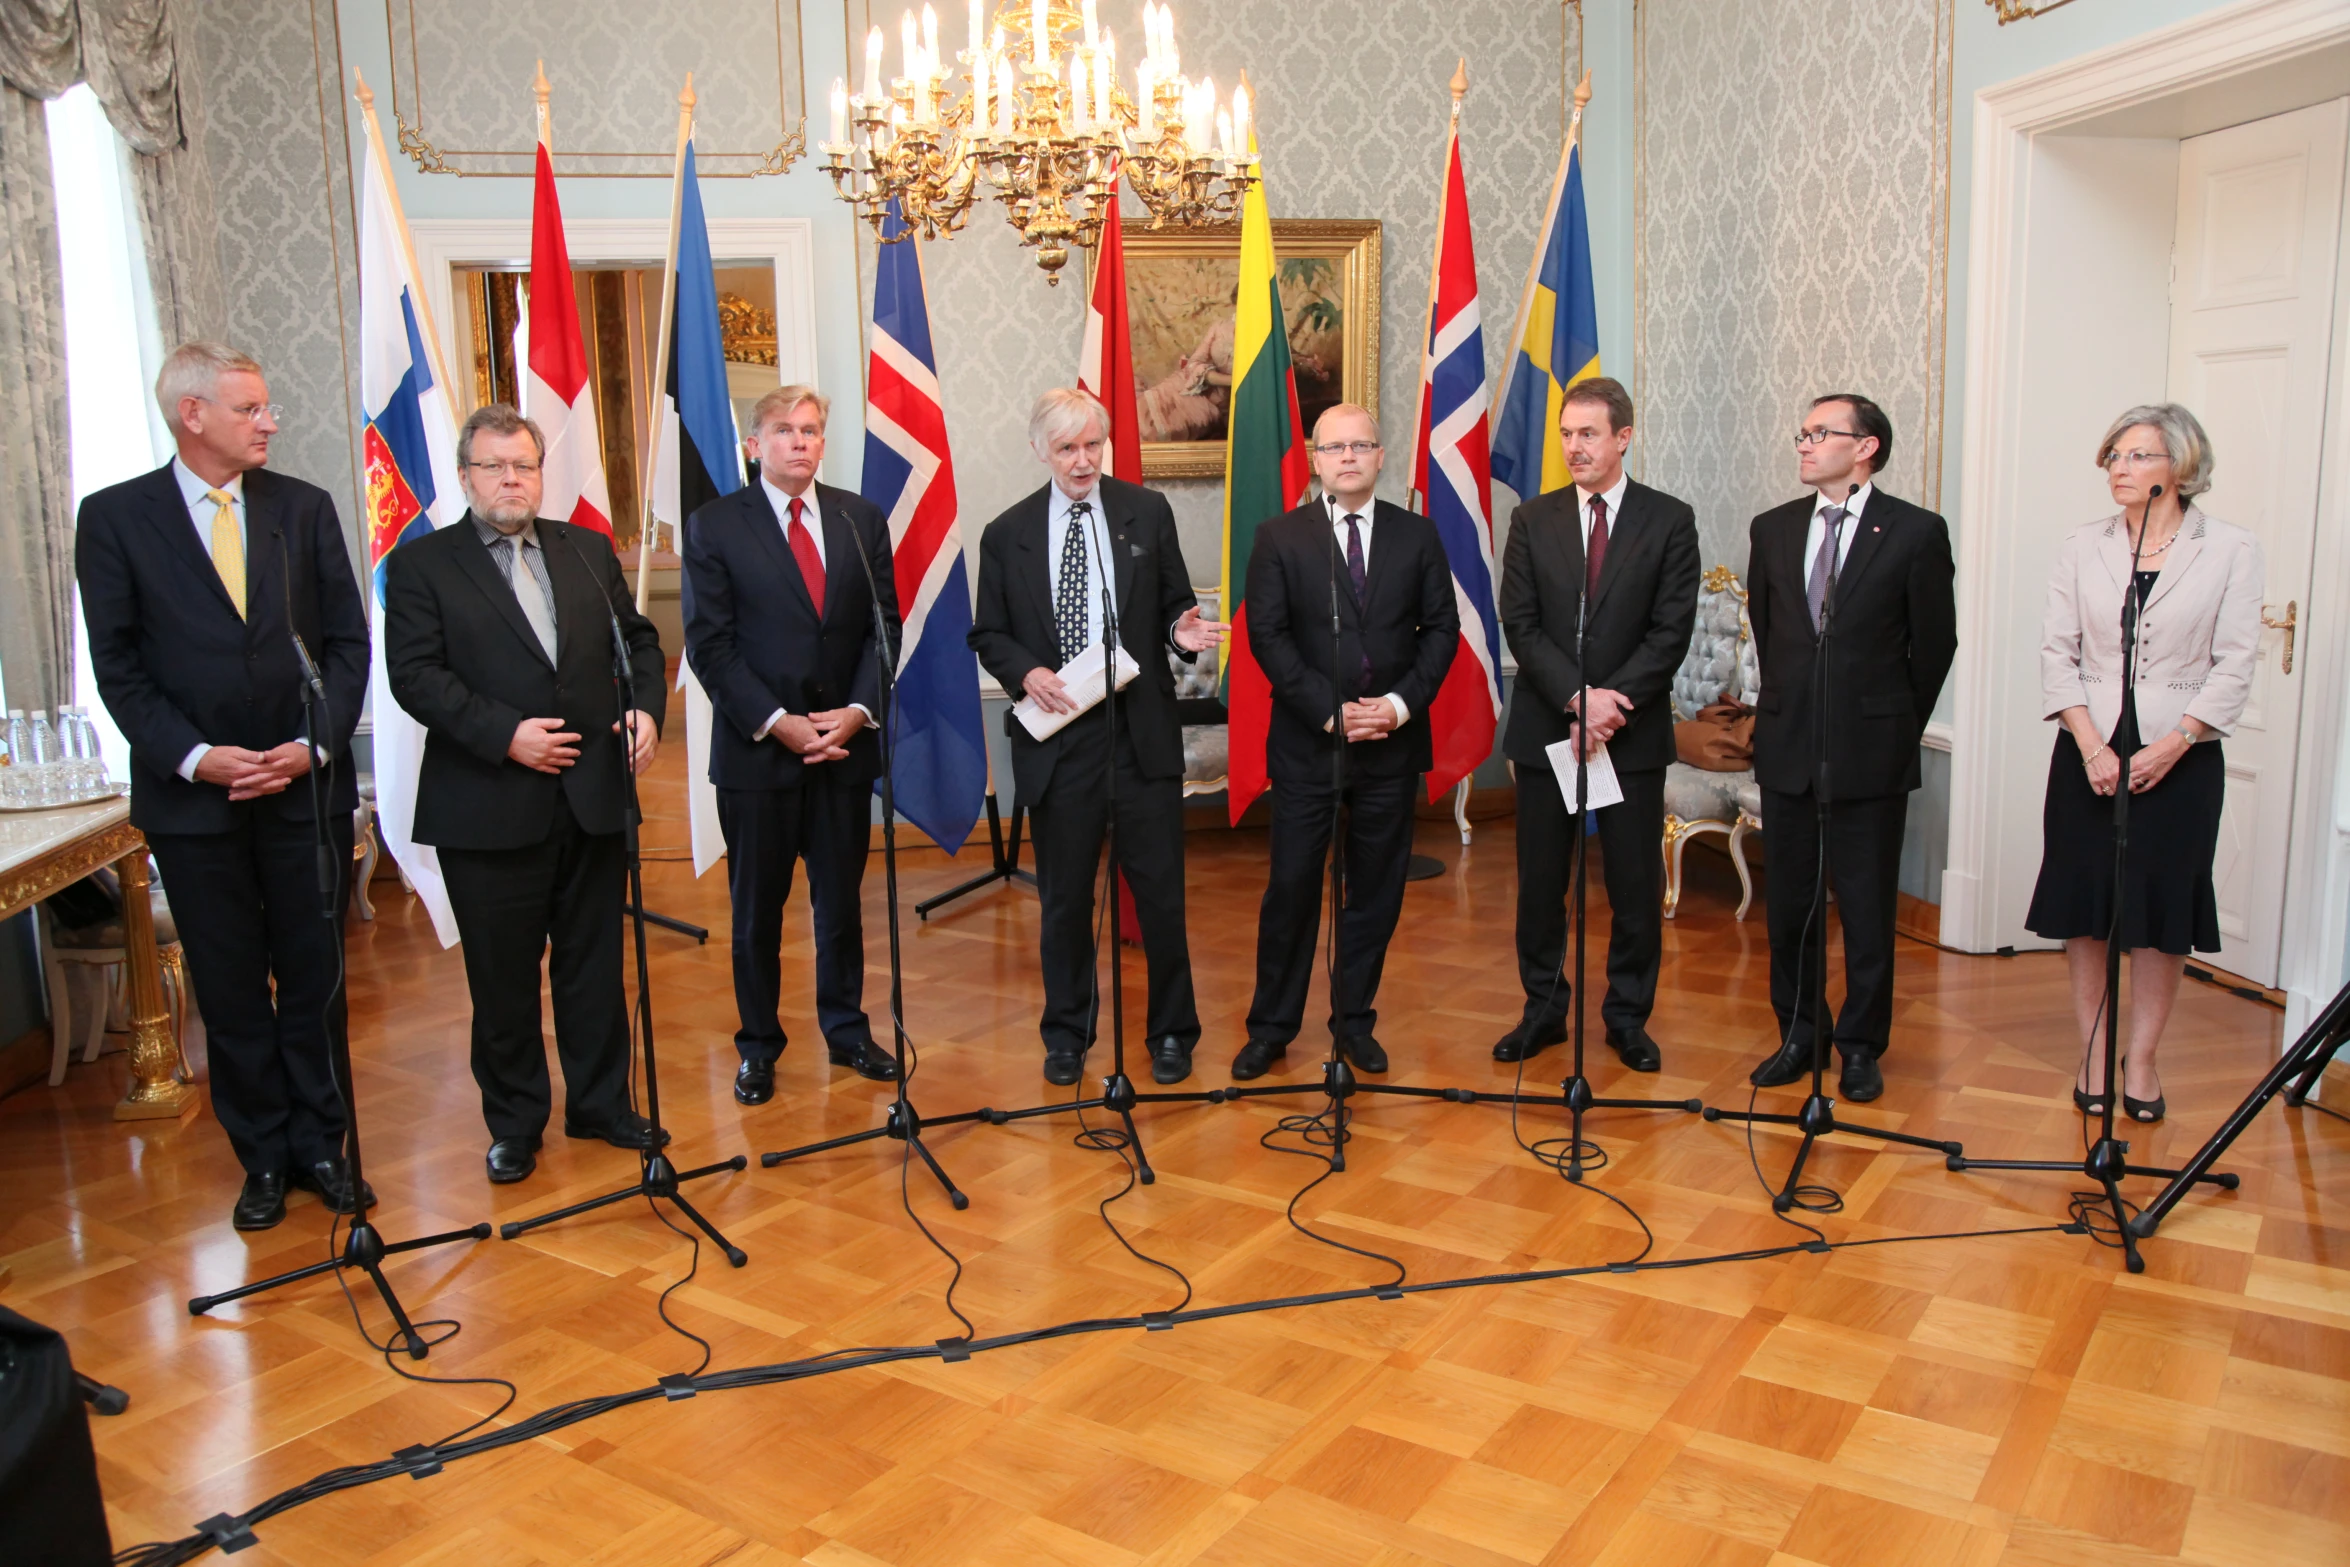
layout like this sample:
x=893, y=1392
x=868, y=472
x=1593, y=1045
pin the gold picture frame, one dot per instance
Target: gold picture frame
x=1179, y=289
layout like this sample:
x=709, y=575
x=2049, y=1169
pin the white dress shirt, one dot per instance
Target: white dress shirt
x=1338, y=516
x=1614, y=496
x=811, y=518
x=1853, y=505
x=201, y=509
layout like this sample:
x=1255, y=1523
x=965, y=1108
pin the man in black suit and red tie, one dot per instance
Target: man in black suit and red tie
x=1877, y=572
x=498, y=639
x=1046, y=565
x=1383, y=571
x=1598, y=593
x=780, y=631
x=194, y=579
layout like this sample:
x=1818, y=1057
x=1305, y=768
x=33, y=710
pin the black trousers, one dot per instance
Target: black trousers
x=561, y=898
x=827, y=822
x=1864, y=866
x=1070, y=823
x=1631, y=846
x=246, y=904
x=1378, y=852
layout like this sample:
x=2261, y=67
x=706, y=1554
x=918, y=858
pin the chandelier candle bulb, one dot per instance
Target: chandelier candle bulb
x=1003, y=101
x=982, y=78
x=1040, y=57
x=1240, y=122
x=1105, y=65
x=1080, y=98
x=1093, y=30
x=840, y=112
x=1224, y=134
x=1146, y=104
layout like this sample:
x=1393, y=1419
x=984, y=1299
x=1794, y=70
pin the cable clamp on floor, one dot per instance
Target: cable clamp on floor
x=1388, y=1292
x=953, y=1350
x=1814, y=1244
x=1623, y=1267
x=420, y=1461
x=226, y=1535
x=1158, y=1321
x=678, y=1385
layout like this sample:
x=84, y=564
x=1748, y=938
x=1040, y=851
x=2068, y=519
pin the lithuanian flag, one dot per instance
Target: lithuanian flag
x=1265, y=475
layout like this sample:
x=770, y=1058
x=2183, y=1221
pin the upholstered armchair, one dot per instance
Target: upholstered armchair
x=1721, y=663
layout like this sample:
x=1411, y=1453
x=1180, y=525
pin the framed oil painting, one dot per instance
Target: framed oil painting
x=1180, y=286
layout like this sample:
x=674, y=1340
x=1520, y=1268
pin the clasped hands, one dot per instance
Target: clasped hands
x=1606, y=713
x=1193, y=632
x=248, y=775
x=2149, y=765
x=819, y=737
x=544, y=746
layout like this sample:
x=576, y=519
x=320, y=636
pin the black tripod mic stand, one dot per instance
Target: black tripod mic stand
x=2108, y=1159
x=657, y=1177
x=364, y=1247
x=1817, y=1118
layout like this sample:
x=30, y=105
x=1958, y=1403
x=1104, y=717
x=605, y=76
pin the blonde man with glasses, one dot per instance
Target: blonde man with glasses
x=194, y=580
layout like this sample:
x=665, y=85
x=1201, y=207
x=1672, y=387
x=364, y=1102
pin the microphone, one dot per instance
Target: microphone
x=623, y=666
x=316, y=693
x=285, y=571
x=889, y=652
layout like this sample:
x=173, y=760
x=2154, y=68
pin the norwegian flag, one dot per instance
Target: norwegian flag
x=939, y=749
x=1452, y=482
x=556, y=391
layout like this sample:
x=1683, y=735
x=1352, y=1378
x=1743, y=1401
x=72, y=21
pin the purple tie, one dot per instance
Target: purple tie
x=1595, y=553
x=1355, y=570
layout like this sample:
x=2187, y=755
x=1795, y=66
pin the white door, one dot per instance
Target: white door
x=2260, y=214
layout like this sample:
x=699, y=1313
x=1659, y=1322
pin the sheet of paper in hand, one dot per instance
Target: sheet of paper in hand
x=1600, y=788
x=1081, y=677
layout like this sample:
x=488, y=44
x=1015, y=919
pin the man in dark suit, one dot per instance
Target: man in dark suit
x=497, y=638
x=1619, y=561
x=1382, y=571
x=194, y=581
x=795, y=687
x=1045, y=568
x=1877, y=572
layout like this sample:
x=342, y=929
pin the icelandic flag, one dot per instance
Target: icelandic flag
x=555, y=391
x=1452, y=478
x=939, y=745
x=700, y=460
x=410, y=451
x=1556, y=342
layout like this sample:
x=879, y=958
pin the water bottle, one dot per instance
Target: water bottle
x=13, y=773
x=48, y=782
x=73, y=762
x=95, y=749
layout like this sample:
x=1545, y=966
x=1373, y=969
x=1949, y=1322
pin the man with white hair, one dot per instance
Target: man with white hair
x=1047, y=567
x=195, y=580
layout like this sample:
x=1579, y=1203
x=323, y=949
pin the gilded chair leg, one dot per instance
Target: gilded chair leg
x=174, y=962
x=1675, y=837
x=1745, y=877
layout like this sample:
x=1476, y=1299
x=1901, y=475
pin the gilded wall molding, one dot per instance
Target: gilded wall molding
x=2024, y=10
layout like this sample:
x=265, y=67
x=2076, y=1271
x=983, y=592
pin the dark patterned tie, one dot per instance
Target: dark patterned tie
x=1355, y=570
x=1595, y=552
x=1823, y=565
x=1069, y=614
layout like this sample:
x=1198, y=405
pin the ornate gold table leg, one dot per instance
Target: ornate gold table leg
x=155, y=1092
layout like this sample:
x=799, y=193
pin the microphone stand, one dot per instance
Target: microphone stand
x=1817, y=1119
x=2107, y=1161
x=656, y=1175
x=901, y=1122
x=364, y=1247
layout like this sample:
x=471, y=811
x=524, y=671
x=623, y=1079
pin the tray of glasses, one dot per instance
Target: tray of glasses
x=110, y=792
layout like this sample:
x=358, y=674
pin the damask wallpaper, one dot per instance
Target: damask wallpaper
x=1793, y=227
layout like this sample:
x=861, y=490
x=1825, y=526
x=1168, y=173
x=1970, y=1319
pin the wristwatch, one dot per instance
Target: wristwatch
x=2184, y=733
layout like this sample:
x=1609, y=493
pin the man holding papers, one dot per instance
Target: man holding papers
x=1047, y=567
x=1598, y=592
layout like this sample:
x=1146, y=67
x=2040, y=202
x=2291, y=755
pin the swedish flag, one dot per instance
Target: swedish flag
x=1556, y=342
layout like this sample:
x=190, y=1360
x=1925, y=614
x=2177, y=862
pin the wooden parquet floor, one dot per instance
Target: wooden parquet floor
x=2014, y=1400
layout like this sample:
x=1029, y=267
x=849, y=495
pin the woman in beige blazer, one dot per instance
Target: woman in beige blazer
x=2195, y=597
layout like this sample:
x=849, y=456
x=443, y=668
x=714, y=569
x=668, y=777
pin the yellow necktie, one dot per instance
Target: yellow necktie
x=228, y=548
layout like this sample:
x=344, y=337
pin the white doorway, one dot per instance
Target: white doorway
x=2251, y=323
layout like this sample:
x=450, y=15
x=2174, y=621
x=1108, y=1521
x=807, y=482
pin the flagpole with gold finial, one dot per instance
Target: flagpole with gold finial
x=383, y=160
x=540, y=90
x=1582, y=98
x=660, y=376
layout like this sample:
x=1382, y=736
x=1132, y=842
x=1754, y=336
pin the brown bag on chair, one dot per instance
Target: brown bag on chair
x=1720, y=739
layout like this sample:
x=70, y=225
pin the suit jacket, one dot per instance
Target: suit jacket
x=1894, y=634
x=2197, y=649
x=1635, y=631
x=1012, y=630
x=177, y=667
x=464, y=662
x=1406, y=620
x=757, y=643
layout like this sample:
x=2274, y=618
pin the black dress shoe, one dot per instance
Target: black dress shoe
x=1860, y=1081
x=1256, y=1058
x=754, y=1082
x=625, y=1130
x=1529, y=1040
x=1063, y=1067
x=867, y=1060
x=1794, y=1060
x=331, y=1180
x=262, y=1204
x=1365, y=1053
x=1170, y=1060
x=1635, y=1049
x=512, y=1159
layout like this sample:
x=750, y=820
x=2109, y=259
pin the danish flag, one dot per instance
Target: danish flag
x=556, y=392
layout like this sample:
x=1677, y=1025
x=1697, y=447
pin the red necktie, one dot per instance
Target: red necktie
x=803, y=549
x=1595, y=552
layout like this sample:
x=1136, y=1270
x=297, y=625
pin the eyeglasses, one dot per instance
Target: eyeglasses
x=498, y=470
x=2113, y=460
x=1812, y=437
x=251, y=412
x=1344, y=448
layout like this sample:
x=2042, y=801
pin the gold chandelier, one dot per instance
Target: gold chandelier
x=1045, y=124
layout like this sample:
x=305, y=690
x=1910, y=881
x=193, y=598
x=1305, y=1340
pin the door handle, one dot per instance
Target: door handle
x=2286, y=625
